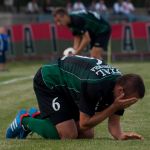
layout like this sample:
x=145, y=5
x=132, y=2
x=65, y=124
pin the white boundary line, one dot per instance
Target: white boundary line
x=15, y=80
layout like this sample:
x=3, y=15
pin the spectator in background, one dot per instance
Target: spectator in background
x=32, y=7
x=3, y=48
x=128, y=10
x=47, y=7
x=78, y=6
x=101, y=8
x=128, y=7
x=125, y=9
x=9, y=5
x=118, y=7
x=69, y=6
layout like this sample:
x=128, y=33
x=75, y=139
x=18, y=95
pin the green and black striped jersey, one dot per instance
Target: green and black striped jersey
x=87, y=81
x=82, y=21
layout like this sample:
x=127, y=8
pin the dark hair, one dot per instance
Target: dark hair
x=132, y=83
x=60, y=11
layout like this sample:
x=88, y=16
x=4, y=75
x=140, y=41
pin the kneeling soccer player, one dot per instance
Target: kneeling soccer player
x=76, y=94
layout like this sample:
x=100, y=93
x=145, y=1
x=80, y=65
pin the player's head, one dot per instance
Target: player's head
x=131, y=85
x=61, y=17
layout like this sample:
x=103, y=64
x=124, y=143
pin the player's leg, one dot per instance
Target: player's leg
x=59, y=122
x=24, y=123
x=67, y=129
x=99, y=44
x=76, y=42
x=64, y=119
x=97, y=52
x=55, y=107
x=88, y=134
x=43, y=127
x=47, y=129
x=73, y=112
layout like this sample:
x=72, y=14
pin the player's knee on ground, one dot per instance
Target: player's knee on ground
x=67, y=130
x=89, y=134
x=68, y=135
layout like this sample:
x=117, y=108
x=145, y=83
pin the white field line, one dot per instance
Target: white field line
x=16, y=80
x=27, y=78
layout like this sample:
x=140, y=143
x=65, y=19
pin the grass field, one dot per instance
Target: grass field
x=17, y=94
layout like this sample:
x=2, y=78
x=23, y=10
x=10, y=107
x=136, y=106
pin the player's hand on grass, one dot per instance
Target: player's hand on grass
x=121, y=103
x=131, y=136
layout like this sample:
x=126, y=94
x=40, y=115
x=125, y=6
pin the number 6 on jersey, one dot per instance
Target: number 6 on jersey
x=55, y=105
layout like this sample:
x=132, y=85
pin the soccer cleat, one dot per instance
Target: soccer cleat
x=15, y=127
x=33, y=112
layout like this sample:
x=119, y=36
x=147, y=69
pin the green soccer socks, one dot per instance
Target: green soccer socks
x=42, y=127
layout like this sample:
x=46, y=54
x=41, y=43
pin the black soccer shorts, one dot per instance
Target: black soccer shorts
x=101, y=40
x=58, y=107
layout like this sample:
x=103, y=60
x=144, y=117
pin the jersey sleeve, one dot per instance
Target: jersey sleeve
x=79, y=25
x=88, y=99
x=119, y=112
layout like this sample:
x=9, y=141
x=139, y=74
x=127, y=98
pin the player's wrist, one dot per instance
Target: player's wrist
x=114, y=107
x=77, y=52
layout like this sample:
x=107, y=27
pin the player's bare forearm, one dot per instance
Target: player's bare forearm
x=76, y=43
x=87, y=122
x=84, y=42
x=114, y=127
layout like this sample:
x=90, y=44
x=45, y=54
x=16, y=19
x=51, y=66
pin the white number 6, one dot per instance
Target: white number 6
x=55, y=105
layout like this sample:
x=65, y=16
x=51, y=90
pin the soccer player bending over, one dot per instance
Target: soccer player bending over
x=76, y=94
x=87, y=28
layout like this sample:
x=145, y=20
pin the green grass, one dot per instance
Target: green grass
x=17, y=95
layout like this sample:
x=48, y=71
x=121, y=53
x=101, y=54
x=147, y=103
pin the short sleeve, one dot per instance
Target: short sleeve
x=78, y=26
x=88, y=99
x=76, y=32
x=119, y=112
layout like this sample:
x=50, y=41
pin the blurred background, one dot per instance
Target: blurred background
x=32, y=33
x=29, y=38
